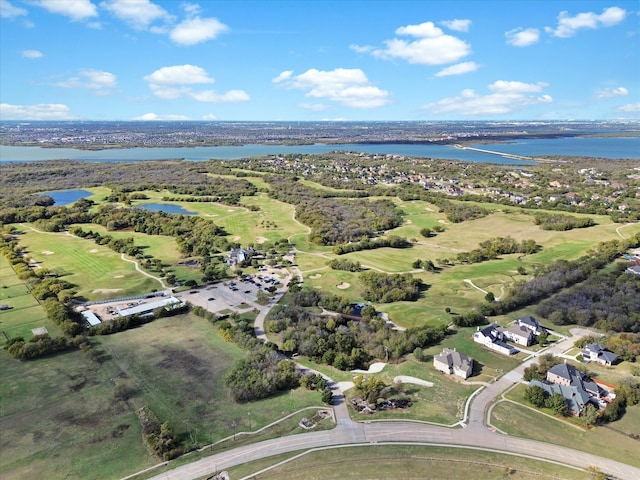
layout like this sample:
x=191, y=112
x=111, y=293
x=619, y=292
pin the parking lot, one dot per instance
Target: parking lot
x=239, y=295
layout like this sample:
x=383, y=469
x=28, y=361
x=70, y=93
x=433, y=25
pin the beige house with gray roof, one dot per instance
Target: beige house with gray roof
x=452, y=362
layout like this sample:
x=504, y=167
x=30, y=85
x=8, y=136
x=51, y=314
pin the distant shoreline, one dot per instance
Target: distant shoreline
x=332, y=141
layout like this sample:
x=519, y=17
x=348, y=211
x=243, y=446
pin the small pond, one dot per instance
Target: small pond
x=166, y=208
x=65, y=197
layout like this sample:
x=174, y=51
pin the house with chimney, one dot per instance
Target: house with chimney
x=453, y=362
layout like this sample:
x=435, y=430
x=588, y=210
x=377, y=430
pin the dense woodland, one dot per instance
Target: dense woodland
x=343, y=341
x=609, y=301
x=335, y=220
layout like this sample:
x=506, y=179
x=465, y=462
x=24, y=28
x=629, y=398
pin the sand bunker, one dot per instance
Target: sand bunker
x=93, y=250
x=46, y=252
x=343, y=285
x=414, y=380
x=118, y=276
x=106, y=290
x=408, y=222
x=442, y=221
x=373, y=368
x=236, y=238
x=315, y=276
x=261, y=239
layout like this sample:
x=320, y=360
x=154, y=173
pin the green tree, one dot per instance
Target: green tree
x=536, y=395
x=590, y=414
x=557, y=403
x=542, y=338
x=327, y=396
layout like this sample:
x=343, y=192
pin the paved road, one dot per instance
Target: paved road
x=398, y=432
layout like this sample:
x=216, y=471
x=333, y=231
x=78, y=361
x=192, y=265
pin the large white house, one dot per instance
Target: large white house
x=594, y=352
x=519, y=334
x=531, y=323
x=492, y=337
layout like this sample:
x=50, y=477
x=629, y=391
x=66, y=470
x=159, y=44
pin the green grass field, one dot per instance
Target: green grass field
x=60, y=418
x=95, y=270
x=406, y=462
x=25, y=312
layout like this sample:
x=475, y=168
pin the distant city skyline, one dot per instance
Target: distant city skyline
x=319, y=60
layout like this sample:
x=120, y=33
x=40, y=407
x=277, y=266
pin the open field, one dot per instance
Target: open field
x=273, y=221
x=404, y=461
x=519, y=421
x=60, y=417
x=95, y=270
x=157, y=246
x=25, y=313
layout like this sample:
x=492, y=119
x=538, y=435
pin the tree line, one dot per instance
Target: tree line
x=391, y=241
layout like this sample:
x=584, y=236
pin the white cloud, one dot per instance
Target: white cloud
x=348, y=87
x=568, y=26
x=506, y=97
x=286, y=75
x=155, y=116
x=432, y=47
x=197, y=30
x=137, y=13
x=44, y=111
x=7, y=10
x=612, y=92
x=99, y=82
x=458, y=69
x=520, y=37
x=176, y=82
x=630, y=108
x=32, y=54
x=459, y=25
x=232, y=96
x=76, y=10
x=361, y=48
x=179, y=74
x=209, y=116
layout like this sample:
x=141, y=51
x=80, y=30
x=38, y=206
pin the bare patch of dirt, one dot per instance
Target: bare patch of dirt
x=106, y=290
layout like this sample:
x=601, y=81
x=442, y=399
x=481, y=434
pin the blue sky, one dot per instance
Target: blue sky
x=319, y=60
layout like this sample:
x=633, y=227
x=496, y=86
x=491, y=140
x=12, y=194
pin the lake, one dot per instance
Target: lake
x=165, y=207
x=604, y=147
x=65, y=197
